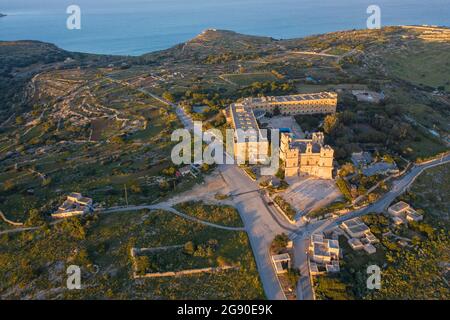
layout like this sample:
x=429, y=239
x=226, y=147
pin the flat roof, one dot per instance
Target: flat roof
x=332, y=268
x=334, y=244
x=355, y=242
x=291, y=98
x=317, y=238
x=399, y=206
x=281, y=257
x=370, y=248
x=244, y=119
x=355, y=225
x=314, y=268
x=321, y=249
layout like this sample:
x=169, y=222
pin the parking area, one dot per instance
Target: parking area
x=307, y=193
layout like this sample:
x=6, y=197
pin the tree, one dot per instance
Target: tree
x=189, y=248
x=19, y=120
x=142, y=264
x=117, y=140
x=35, y=218
x=135, y=188
x=276, y=111
x=8, y=185
x=330, y=123
x=73, y=228
x=280, y=242
x=168, y=96
x=347, y=169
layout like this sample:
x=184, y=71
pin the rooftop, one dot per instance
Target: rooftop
x=399, y=206
x=356, y=225
x=281, y=257
x=354, y=242
x=245, y=120
x=290, y=98
x=370, y=249
x=323, y=247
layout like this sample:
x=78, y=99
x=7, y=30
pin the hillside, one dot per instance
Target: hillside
x=74, y=122
x=21, y=60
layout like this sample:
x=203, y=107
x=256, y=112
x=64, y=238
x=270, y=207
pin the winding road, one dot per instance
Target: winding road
x=262, y=223
x=167, y=207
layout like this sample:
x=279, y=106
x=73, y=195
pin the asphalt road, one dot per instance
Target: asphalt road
x=301, y=237
x=260, y=224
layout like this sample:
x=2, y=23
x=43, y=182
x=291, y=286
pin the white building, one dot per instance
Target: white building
x=74, y=205
x=403, y=211
x=282, y=263
x=355, y=228
x=323, y=251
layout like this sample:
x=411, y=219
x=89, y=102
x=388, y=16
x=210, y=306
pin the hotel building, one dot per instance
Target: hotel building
x=311, y=103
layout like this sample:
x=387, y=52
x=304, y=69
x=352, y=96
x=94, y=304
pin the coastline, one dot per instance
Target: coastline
x=131, y=55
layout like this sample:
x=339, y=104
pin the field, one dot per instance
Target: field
x=118, y=136
x=422, y=66
x=222, y=215
x=246, y=79
x=431, y=193
x=31, y=267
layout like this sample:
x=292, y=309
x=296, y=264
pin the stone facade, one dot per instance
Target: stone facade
x=249, y=143
x=311, y=103
x=300, y=156
x=307, y=156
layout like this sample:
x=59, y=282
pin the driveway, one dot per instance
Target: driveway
x=259, y=224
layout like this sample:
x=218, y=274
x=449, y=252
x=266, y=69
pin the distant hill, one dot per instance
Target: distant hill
x=21, y=60
x=226, y=45
x=2, y=15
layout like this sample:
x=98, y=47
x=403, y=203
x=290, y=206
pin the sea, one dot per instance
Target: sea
x=135, y=27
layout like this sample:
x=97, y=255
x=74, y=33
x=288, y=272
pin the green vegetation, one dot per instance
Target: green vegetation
x=286, y=207
x=249, y=171
x=247, y=79
x=222, y=215
x=83, y=125
x=267, y=89
x=31, y=265
x=431, y=193
x=335, y=206
x=422, y=65
x=330, y=287
x=343, y=187
x=418, y=273
x=191, y=256
x=412, y=271
x=279, y=243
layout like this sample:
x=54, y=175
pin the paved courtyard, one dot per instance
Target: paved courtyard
x=279, y=122
x=307, y=193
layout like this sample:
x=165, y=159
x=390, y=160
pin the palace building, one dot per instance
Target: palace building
x=311, y=103
x=300, y=156
x=249, y=142
x=306, y=156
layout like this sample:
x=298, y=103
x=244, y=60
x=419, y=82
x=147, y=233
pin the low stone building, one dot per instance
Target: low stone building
x=282, y=262
x=355, y=228
x=368, y=96
x=74, y=205
x=324, y=252
x=359, y=235
x=404, y=212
